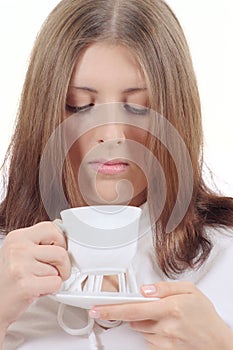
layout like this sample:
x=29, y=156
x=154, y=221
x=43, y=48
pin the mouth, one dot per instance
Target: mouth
x=109, y=167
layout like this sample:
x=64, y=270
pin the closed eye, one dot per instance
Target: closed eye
x=136, y=110
x=78, y=109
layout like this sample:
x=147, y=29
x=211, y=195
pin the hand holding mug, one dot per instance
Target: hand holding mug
x=33, y=262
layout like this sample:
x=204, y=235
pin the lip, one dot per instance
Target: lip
x=109, y=167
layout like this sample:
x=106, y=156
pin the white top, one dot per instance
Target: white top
x=38, y=328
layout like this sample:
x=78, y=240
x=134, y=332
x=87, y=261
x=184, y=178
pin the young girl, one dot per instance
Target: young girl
x=129, y=56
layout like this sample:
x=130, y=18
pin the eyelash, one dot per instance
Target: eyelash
x=128, y=107
x=78, y=109
x=138, y=111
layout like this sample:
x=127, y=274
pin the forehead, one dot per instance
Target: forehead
x=105, y=63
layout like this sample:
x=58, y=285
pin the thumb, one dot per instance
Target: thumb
x=165, y=289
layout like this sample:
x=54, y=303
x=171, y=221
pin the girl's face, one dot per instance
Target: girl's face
x=107, y=172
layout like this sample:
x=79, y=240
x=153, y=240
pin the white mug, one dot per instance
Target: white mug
x=101, y=239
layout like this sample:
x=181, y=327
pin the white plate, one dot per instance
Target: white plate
x=88, y=300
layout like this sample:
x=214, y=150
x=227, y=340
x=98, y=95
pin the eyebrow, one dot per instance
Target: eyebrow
x=85, y=88
x=127, y=91
x=132, y=90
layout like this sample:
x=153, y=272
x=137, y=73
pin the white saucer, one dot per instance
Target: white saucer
x=86, y=300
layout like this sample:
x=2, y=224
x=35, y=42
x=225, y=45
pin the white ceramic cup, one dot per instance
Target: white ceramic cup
x=101, y=239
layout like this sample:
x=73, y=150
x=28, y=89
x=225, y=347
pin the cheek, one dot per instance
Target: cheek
x=79, y=149
x=138, y=135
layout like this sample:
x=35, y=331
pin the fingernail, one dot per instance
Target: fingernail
x=149, y=289
x=93, y=313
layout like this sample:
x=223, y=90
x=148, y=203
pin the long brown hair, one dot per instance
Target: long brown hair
x=152, y=32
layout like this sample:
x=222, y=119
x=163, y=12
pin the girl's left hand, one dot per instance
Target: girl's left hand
x=182, y=319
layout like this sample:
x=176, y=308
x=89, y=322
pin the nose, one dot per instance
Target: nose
x=111, y=132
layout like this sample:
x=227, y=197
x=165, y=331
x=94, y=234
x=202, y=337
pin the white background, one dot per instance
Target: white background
x=208, y=25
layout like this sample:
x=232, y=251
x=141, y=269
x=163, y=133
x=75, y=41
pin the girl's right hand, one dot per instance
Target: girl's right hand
x=33, y=262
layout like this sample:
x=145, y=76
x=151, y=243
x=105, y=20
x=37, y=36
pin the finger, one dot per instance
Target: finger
x=152, y=310
x=55, y=256
x=48, y=285
x=151, y=346
x=165, y=289
x=35, y=287
x=157, y=341
x=147, y=326
x=41, y=269
x=46, y=233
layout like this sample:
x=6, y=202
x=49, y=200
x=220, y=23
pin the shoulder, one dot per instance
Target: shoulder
x=220, y=260
x=222, y=237
x=222, y=247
